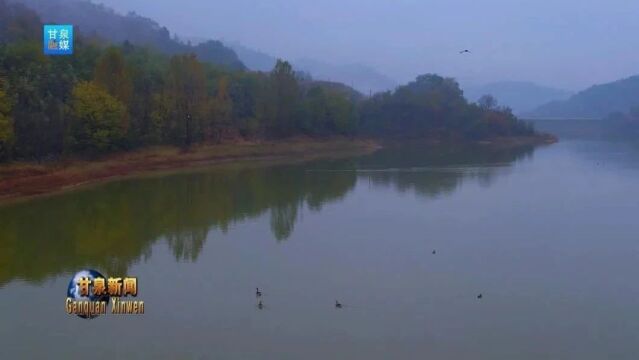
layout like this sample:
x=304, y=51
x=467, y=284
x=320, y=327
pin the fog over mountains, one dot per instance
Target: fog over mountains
x=565, y=44
x=520, y=96
x=98, y=20
x=361, y=77
x=527, y=99
x=595, y=102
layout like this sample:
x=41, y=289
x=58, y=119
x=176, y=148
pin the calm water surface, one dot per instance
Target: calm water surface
x=548, y=235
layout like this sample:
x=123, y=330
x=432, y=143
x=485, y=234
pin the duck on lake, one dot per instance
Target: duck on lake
x=338, y=305
x=258, y=293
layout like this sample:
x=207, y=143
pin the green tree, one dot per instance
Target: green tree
x=286, y=99
x=247, y=93
x=147, y=71
x=342, y=114
x=97, y=119
x=185, y=99
x=317, y=118
x=487, y=102
x=38, y=87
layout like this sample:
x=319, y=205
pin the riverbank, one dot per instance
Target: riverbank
x=25, y=179
x=540, y=139
x=22, y=180
x=513, y=141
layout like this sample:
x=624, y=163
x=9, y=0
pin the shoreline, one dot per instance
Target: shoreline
x=26, y=180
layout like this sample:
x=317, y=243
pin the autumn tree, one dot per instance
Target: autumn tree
x=97, y=125
x=112, y=74
x=6, y=127
x=221, y=109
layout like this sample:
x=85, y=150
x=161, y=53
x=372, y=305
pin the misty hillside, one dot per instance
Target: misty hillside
x=361, y=77
x=595, y=102
x=99, y=20
x=520, y=96
x=253, y=59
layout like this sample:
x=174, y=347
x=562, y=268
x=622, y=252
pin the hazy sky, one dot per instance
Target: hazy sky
x=564, y=43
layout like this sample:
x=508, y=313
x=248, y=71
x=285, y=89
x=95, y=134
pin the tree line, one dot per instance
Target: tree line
x=109, y=98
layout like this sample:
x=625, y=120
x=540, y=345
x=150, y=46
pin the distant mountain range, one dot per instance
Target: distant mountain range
x=98, y=20
x=253, y=59
x=520, y=96
x=104, y=22
x=361, y=77
x=598, y=101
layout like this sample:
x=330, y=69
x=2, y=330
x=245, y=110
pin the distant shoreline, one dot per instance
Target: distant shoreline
x=25, y=180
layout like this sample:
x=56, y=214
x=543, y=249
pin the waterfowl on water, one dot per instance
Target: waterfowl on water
x=258, y=293
x=480, y=296
x=260, y=305
x=338, y=305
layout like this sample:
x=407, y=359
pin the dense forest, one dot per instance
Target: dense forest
x=119, y=96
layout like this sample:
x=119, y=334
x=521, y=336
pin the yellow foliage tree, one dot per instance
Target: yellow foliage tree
x=6, y=126
x=97, y=119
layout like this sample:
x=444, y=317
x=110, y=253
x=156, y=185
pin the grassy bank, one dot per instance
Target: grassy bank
x=24, y=179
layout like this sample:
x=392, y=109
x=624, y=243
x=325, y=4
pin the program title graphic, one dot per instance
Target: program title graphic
x=89, y=293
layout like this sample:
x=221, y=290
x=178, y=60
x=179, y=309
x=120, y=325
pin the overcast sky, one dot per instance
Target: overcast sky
x=569, y=44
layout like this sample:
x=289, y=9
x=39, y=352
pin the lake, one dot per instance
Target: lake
x=548, y=236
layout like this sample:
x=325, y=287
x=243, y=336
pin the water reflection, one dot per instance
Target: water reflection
x=110, y=227
x=435, y=171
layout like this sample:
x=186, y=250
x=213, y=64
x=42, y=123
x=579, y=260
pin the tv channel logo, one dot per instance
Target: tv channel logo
x=58, y=39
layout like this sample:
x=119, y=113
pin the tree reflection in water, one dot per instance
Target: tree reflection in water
x=115, y=225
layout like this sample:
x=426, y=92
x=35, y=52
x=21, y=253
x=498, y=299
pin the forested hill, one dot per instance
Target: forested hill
x=434, y=107
x=94, y=19
x=107, y=98
x=598, y=101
